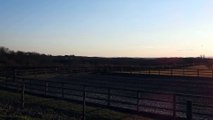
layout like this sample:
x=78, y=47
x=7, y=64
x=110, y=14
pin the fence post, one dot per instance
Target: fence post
x=149, y=72
x=189, y=110
x=14, y=74
x=198, y=73
x=14, y=80
x=34, y=72
x=46, y=87
x=183, y=72
x=174, y=106
x=22, y=94
x=84, y=103
x=6, y=82
x=212, y=73
x=138, y=101
x=62, y=89
x=171, y=72
x=30, y=87
x=18, y=85
x=159, y=72
x=108, y=96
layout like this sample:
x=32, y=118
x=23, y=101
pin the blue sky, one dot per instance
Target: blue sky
x=109, y=28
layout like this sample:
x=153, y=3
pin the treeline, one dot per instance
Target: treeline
x=19, y=58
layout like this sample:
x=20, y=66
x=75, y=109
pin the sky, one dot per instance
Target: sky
x=108, y=28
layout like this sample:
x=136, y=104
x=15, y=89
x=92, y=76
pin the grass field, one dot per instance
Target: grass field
x=192, y=71
x=38, y=108
x=42, y=108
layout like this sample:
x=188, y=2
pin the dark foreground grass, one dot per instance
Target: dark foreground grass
x=38, y=108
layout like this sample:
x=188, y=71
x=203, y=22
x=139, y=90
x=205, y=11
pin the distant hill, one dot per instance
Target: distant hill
x=19, y=58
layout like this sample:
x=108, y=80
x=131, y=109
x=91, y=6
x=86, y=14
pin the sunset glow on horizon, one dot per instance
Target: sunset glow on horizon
x=110, y=28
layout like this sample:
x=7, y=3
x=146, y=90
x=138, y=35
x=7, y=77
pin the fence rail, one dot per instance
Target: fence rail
x=162, y=103
x=21, y=71
x=199, y=73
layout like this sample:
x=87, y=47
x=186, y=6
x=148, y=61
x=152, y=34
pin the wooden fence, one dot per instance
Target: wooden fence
x=198, y=73
x=21, y=71
x=139, y=101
